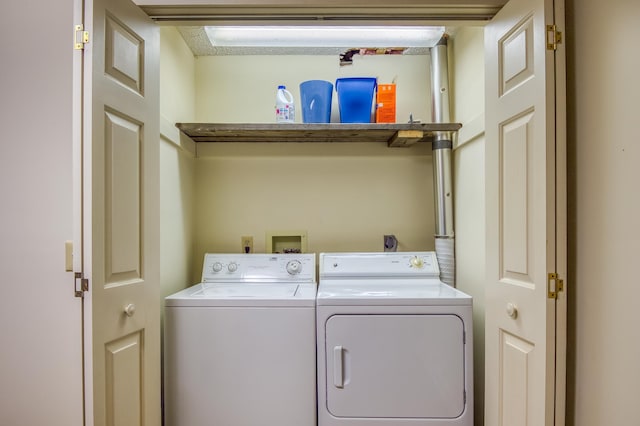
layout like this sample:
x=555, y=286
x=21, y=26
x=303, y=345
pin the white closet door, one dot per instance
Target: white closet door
x=524, y=199
x=121, y=215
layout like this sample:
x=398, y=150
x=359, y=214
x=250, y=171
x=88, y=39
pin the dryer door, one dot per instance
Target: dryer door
x=395, y=366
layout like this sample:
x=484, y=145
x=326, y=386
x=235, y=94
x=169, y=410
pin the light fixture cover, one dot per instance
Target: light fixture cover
x=310, y=36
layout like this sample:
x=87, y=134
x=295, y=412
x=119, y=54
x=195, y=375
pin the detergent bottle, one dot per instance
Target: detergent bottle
x=285, y=109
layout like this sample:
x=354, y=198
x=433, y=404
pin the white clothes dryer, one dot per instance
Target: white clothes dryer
x=394, y=342
x=240, y=346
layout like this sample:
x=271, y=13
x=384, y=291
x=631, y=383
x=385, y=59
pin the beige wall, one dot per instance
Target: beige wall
x=177, y=77
x=604, y=212
x=346, y=196
x=40, y=319
x=242, y=89
x=467, y=70
x=177, y=163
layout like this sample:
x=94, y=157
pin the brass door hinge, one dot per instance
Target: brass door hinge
x=80, y=37
x=554, y=285
x=554, y=37
x=84, y=284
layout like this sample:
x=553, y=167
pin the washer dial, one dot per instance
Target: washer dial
x=294, y=267
x=416, y=262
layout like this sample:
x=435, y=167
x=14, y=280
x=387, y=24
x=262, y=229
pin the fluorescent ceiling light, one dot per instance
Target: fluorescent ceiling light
x=274, y=36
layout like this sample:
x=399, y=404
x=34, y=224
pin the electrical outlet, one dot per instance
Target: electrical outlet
x=390, y=243
x=247, y=244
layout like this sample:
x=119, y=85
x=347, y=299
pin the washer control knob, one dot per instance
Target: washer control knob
x=294, y=267
x=217, y=267
x=232, y=266
x=416, y=262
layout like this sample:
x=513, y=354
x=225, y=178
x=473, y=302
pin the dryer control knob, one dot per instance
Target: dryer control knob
x=294, y=267
x=416, y=262
x=232, y=266
x=217, y=267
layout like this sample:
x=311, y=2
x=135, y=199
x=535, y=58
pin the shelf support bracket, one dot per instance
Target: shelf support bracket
x=404, y=138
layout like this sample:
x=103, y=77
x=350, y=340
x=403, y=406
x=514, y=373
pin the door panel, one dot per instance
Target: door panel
x=124, y=371
x=124, y=54
x=395, y=366
x=122, y=215
x=123, y=143
x=515, y=204
x=521, y=193
x=515, y=50
x=514, y=376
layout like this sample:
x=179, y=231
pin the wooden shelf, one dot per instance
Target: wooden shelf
x=392, y=134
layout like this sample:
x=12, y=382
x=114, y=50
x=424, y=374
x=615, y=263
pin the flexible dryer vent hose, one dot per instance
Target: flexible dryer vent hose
x=445, y=252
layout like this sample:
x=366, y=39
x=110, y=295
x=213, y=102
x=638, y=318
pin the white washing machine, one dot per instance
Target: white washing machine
x=240, y=347
x=394, y=342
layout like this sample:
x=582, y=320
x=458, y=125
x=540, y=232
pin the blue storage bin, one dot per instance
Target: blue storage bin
x=316, y=96
x=355, y=99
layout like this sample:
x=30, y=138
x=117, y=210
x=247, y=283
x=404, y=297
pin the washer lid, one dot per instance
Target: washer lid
x=389, y=292
x=247, y=295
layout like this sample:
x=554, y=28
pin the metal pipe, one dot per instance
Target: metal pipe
x=443, y=189
x=440, y=111
x=442, y=169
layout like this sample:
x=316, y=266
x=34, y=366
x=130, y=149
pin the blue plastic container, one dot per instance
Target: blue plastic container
x=355, y=99
x=316, y=98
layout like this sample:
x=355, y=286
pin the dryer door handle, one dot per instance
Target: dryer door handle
x=338, y=374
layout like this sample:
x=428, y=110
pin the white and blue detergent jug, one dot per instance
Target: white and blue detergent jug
x=285, y=109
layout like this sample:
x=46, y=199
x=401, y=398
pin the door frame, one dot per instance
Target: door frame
x=561, y=226
x=561, y=214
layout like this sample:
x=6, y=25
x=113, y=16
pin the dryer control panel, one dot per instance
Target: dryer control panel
x=387, y=264
x=255, y=268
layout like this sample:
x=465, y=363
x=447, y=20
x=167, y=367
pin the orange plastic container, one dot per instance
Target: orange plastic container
x=386, y=103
